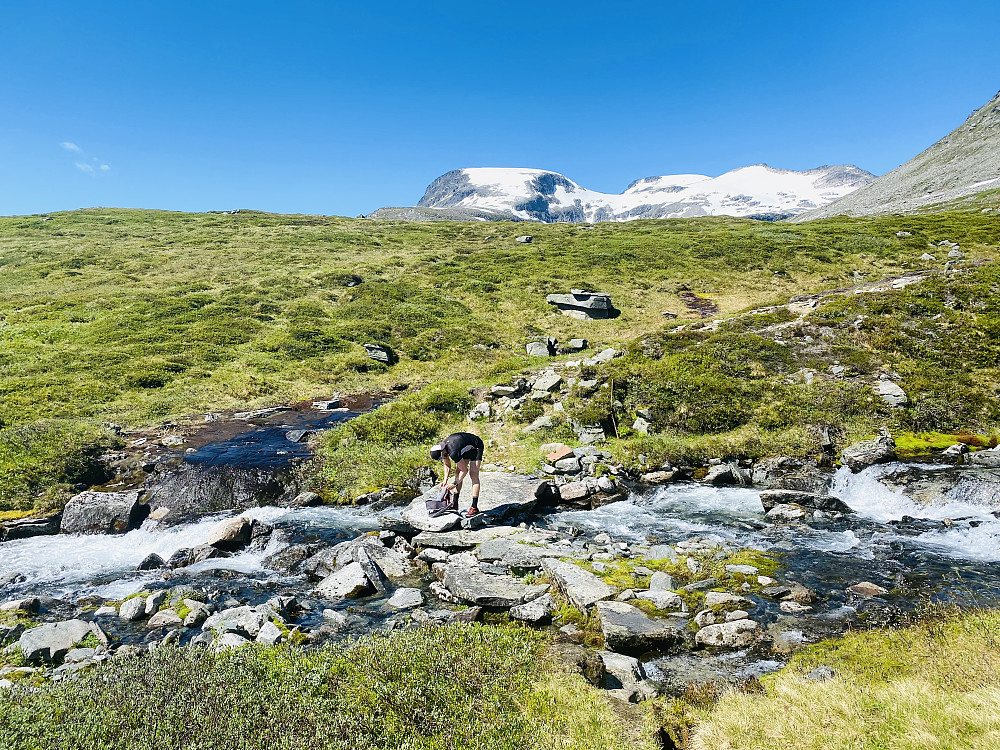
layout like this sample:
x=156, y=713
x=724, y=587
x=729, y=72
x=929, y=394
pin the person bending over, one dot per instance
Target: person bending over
x=462, y=452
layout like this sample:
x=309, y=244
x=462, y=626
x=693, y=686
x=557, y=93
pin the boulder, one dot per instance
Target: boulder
x=228, y=641
x=716, y=598
x=406, y=598
x=472, y=586
x=580, y=586
x=50, y=643
x=787, y=473
x=989, y=459
x=580, y=659
x=544, y=348
x=880, y=449
x=31, y=605
x=152, y=561
x=588, y=434
x=660, y=581
x=771, y=498
x=291, y=559
x=867, y=589
x=536, y=612
x=627, y=629
x=574, y=491
x=306, y=500
x=231, y=535
x=103, y=513
x=269, y=634
x=25, y=528
x=347, y=582
x=503, y=496
x=626, y=678
x=736, y=634
x=464, y=538
x=524, y=239
x=132, y=609
x=380, y=353
x=165, y=619
x=583, y=305
x=786, y=513
x=662, y=599
x=891, y=393
x=725, y=474
x=153, y=602
x=245, y=621
x=548, y=383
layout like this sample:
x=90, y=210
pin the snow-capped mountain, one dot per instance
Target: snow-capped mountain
x=758, y=191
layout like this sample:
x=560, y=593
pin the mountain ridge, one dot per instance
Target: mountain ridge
x=962, y=163
x=756, y=191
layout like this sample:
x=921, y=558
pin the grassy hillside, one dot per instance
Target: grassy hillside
x=136, y=316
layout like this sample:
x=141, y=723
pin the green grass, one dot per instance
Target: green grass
x=935, y=684
x=450, y=688
x=133, y=317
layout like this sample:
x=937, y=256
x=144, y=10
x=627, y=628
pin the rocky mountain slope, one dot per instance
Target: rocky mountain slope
x=964, y=162
x=757, y=191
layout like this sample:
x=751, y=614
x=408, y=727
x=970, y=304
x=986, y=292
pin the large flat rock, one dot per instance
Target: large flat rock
x=627, y=629
x=580, y=586
x=475, y=587
x=502, y=496
x=463, y=538
x=49, y=643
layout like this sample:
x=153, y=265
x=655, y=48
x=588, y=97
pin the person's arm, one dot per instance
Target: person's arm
x=447, y=470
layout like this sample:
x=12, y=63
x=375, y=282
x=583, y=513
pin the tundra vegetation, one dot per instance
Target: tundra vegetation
x=133, y=317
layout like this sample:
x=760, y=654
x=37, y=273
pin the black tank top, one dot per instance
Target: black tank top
x=462, y=445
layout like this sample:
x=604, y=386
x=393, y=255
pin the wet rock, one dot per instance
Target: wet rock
x=627, y=629
x=536, y=612
x=582, y=660
x=50, y=643
x=801, y=594
x=184, y=557
x=770, y=498
x=306, y=500
x=581, y=587
x=860, y=456
x=103, y=513
x=290, y=560
x=867, y=589
x=787, y=473
x=736, y=634
x=794, y=608
x=725, y=475
x=775, y=592
x=26, y=528
x=986, y=458
x=406, y=598
x=231, y=535
x=152, y=561
x=347, y=582
x=785, y=513
x=335, y=619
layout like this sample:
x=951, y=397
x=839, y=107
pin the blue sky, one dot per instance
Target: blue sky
x=337, y=108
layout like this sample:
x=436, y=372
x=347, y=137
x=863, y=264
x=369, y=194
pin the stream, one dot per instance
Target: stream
x=924, y=560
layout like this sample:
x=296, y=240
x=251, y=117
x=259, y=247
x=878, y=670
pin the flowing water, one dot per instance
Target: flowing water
x=923, y=560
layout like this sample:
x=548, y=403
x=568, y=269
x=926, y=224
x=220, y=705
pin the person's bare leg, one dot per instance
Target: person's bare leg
x=461, y=471
x=474, y=476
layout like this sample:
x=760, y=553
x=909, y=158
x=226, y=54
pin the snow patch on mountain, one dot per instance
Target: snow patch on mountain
x=757, y=191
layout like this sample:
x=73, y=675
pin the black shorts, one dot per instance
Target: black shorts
x=472, y=453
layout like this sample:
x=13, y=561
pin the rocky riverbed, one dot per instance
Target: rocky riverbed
x=645, y=588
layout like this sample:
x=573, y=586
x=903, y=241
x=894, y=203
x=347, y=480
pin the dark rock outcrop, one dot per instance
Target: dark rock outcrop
x=103, y=513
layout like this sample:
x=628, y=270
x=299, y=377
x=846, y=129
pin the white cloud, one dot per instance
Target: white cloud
x=93, y=167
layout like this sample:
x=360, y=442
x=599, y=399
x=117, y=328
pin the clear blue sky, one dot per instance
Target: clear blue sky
x=339, y=108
